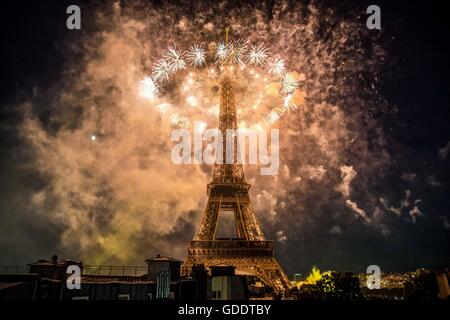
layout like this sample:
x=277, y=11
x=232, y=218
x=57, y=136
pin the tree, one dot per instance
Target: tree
x=330, y=285
x=340, y=286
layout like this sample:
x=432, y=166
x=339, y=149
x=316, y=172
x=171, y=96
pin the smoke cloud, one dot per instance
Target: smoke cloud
x=107, y=189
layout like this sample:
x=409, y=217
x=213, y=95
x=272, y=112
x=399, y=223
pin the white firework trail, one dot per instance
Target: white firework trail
x=148, y=89
x=175, y=59
x=161, y=71
x=221, y=51
x=236, y=52
x=196, y=55
x=289, y=83
x=288, y=104
x=257, y=55
x=277, y=66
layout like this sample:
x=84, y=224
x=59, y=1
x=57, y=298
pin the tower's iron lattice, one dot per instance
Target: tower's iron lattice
x=250, y=253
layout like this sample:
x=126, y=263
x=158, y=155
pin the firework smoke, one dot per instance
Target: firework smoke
x=119, y=199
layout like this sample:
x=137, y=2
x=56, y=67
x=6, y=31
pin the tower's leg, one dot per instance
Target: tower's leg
x=209, y=220
x=266, y=269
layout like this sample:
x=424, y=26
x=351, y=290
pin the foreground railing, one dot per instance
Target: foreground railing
x=88, y=270
x=114, y=271
x=13, y=269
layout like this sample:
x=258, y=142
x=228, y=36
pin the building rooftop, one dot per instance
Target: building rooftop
x=162, y=258
x=43, y=262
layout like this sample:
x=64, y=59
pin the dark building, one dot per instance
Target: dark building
x=19, y=287
x=203, y=286
x=47, y=280
x=163, y=264
x=226, y=285
x=52, y=269
x=112, y=290
x=164, y=271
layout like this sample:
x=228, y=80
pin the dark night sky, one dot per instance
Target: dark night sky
x=416, y=82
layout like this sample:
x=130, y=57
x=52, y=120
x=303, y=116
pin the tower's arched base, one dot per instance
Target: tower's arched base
x=248, y=257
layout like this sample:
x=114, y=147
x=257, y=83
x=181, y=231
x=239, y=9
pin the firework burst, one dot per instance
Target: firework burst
x=289, y=84
x=221, y=51
x=236, y=52
x=196, y=55
x=257, y=55
x=175, y=59
x=233, y=53
x=161, y=71
x=276, y=67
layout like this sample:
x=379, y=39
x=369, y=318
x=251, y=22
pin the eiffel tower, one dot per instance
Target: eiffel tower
x=228, y=191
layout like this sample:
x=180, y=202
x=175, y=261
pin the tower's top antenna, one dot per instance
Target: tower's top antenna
x=226, y=35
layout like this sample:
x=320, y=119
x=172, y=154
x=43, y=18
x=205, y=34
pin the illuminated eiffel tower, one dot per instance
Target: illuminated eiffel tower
x=228, y=191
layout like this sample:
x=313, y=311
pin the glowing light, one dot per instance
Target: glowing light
x=289, y=83
x=258, y=127
x=276, y=66
x=273, y=89
x=175, y=59
x=148, y=89
x=221, y=51
x=196, y=55
x=192, y=101
x=258, y=55
x=200, y=126
x=273, y=117
x=93, y=137
x=214, y=110
x=314, y=276
x=162, y=108
x=161, y=70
